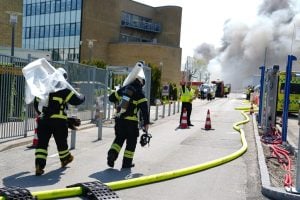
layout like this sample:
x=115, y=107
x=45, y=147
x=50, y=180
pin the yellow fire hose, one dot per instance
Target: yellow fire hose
x=117, y=185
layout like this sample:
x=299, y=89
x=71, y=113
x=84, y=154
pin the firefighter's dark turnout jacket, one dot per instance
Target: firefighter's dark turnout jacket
x=126, y=125
x=53, y=120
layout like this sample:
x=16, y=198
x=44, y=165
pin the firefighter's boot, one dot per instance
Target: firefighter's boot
x=65, y=162
x=38, y=170
x=127, y=163
x=111, y=157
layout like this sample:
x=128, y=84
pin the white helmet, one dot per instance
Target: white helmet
x=137, y=72
x=63, y=72
x=141, y=77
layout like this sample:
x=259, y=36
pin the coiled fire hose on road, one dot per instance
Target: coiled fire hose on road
x=283, y=158
x=274, y=140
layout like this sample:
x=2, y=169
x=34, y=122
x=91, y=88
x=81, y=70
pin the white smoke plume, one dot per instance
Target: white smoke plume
x=267, y=40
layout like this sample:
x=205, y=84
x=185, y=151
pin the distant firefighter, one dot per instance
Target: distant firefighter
x=187, y=97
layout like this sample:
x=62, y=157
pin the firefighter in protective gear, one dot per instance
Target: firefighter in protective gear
x=132, y=100
x=187, y=97
x=53, y=121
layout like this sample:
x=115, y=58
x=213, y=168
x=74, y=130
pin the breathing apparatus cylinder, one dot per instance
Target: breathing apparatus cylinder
x=122, y=107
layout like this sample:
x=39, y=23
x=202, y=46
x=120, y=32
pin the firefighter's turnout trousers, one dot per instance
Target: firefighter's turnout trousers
x=59, y=129
x=124, y=130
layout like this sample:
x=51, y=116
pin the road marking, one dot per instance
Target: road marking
x=53, y=155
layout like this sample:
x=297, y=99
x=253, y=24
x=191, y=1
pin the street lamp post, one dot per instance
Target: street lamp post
x=90, y=45
x=161, y=65
x=13, y=19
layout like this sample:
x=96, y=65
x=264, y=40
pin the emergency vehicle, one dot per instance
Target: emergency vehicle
x=294, y=92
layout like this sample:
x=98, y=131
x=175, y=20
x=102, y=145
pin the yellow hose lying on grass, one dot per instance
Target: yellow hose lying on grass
x=117, y=185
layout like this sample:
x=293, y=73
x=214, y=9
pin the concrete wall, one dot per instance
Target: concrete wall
x=100, y=21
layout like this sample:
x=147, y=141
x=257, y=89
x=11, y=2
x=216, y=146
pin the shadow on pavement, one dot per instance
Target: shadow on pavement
x=109, y=175
x=23, y=179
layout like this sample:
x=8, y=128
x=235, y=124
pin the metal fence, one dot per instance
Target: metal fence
x=17, y=118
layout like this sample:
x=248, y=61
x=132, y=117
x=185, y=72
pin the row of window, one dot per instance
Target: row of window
x=131, y=17
x=65, y=54
x=52, y=7
x=52, y=43
x=139, y=22
x=57, y=30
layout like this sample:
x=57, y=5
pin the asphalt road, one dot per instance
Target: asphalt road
x=170, y=149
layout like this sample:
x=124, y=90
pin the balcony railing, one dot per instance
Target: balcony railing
x=145, y=26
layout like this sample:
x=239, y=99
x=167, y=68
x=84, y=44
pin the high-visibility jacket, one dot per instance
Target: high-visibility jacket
x=226, y=90
x=187, y=94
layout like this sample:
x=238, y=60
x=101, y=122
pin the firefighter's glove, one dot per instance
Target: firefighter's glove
x=120, y=111
x=73, y=123
x=145, y=139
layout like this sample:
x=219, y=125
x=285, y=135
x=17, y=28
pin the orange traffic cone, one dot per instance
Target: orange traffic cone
x=183, y=123
x=35, y=137
x=207, y=122
x=251, y=109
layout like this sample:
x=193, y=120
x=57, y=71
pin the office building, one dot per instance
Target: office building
x=118, y=32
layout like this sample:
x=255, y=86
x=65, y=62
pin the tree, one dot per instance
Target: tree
x=196, y=69
x=155, y=92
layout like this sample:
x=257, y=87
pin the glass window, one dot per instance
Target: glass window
x=77, y=28
x=27, y=32
x=37, y=32
x=294, y=88
x=67, y=29
x=68, y=5
x=71, y=54
x=52, y=6
x=37, y=20
x=50, y=43
x=47, y=31
x=31, y=44
x=72, y=29
x=56, y=30
x=28, y=9
x=33, y=9
x=32, y=32
x=51, y=31
x=61, y=54
x=57, y=6
x=48, y=7
x=61, y=30
x=37, y=9
x=46, y=45
x=73, y=5
x=43, y=7
x=78, y=4
x=55, y=54
x=76, y=54
x=42, y=31
x=63, y=5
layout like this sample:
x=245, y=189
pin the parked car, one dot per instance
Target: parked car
x=207, y=91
